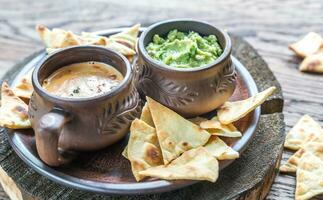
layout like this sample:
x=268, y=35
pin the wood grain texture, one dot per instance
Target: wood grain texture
x=268, y=25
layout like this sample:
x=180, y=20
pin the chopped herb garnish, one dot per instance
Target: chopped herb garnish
x=77, y=90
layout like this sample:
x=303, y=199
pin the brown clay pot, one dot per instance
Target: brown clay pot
x=188, y=91
x=64, y=125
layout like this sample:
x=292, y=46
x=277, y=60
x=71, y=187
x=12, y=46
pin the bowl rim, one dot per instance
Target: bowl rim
x=54, y=98
x=225, y=54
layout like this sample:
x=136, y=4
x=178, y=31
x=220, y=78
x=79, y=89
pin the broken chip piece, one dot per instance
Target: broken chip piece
x=308, y=45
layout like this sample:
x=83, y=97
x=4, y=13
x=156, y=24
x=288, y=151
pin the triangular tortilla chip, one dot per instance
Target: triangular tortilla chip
x=143, y=149
x=24, y=88
x=232, y=111
x=124, y=42
x=308, y=45
x=220, y=149
x=312, y=63
x=127, y=37
x=175, y=133
x=309, y=146
x=195, y=164
x=57, y=38
x=91, y=38
x=125, y=50
x=291, y=164
x=125, y=152
x=214, y=127
x=197, y=120
x=13, y=111
x=146, y=115
x=303, y=129
x=309, y=178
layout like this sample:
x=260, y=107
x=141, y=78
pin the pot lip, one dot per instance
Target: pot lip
x=223, y=57
x=54, y=98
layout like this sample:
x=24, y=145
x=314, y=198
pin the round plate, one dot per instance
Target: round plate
x=106, y=171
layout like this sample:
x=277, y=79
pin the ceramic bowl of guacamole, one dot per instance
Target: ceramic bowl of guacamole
x=185, y=64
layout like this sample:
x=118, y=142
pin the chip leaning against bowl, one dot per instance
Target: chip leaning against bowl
x=184, y=50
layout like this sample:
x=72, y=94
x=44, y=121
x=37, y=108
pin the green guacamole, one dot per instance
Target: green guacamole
x=184, y=50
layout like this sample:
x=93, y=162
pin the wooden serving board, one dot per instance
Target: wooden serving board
x=250, y=177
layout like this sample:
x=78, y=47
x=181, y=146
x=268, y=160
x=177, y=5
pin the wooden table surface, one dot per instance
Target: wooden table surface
x=268, y=25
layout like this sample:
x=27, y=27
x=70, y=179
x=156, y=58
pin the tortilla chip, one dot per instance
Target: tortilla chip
x=220, y=149
x=123, y=42
x=57, y=38
x=143, y=149
x=309, y=179
x=175, y=133
x=91, y=38
x=304, y=128
x=127, y=37
x=125, y=152
x=308, y=45
x=195, y=164
x=146, y=115
x=13, y=111
x=291, y=165
x=310, y=146
x=214, y=127
x=232, y=111
x=312, y=63
x=24, y=88
x=120, y=47
x=197, y=120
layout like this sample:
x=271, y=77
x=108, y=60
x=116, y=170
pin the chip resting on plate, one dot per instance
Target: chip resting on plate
x=13, y=111
x=312, y=63
x=309, y=175
x=232, y=111
x=128, y=37
x=197, y=120
x=123, y=42
x=24, y=88
x=308, y=45
x=146, y=115
x=195, y=164
x=175, y=133
x=304, y=128
x=125, y=152
x=59, y=38
x=214, y=127
x=220, y=149
x=310, y=146
x=143, y=149
x=121, y=48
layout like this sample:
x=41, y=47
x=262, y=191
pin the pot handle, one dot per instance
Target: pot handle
x=47, y=133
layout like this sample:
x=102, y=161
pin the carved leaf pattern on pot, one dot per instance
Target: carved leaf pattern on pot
x=32, y=106
x=224, y=79
x=120, y=114
x=167, y=91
